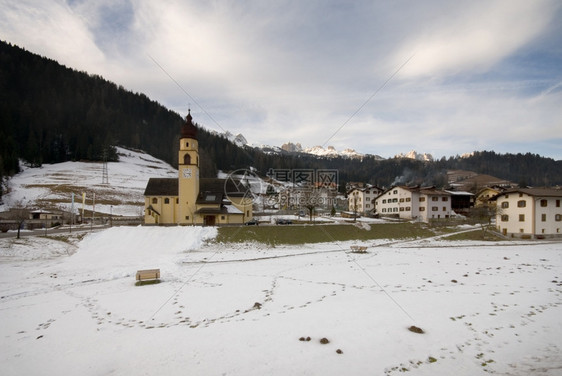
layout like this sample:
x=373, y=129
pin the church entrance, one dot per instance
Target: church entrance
x=209, y=220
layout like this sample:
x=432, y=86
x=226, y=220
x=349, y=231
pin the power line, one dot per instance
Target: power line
x=368, y=99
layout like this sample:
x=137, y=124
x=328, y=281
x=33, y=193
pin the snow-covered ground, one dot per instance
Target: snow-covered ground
x=51, y=185
x=240, y=309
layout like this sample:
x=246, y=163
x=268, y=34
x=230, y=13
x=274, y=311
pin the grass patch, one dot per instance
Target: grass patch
x=475, y=235
x=297, y=234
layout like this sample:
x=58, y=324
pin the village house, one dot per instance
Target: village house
x=360, y=199
x=190, y=200
x=529, y=212
x=486, y=196
x=425, y=203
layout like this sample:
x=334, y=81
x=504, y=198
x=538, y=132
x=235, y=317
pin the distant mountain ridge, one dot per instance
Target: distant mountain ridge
x=425, y=157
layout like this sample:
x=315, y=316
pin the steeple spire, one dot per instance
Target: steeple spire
x=188, y=129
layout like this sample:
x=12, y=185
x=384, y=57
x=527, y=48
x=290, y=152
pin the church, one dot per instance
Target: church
x=191, y=200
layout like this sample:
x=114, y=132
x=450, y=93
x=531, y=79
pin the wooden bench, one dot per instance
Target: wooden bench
x=148, y=274
x=358, y=249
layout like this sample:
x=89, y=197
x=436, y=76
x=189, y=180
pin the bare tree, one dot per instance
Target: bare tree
x=483, y=216
x=19, y=213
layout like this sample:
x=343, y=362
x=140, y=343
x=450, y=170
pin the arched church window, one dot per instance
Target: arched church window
x=187, y=159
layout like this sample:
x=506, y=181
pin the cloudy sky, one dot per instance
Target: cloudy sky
x=382, y=77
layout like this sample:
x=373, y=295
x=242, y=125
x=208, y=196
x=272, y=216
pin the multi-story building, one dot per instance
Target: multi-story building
x=361, y=199
x=529, y=212
x=425, y=203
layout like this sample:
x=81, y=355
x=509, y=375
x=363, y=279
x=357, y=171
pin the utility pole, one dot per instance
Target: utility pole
x=105, y=174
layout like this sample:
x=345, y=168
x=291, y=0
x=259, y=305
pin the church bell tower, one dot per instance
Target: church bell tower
x=188, y=169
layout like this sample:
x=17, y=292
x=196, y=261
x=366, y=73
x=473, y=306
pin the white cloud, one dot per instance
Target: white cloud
x=50, y=28
x=296, y=71
x=475, y=36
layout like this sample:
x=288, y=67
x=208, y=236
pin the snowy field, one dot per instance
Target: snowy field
x=223, y=309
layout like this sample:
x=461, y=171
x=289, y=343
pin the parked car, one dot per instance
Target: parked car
x=252, y=222
x=283, y=221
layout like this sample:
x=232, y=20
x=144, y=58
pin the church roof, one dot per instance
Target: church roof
x=211, y=190
x=161, y=187
x=188, y=129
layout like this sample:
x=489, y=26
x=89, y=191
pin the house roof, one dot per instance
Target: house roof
x=535, y=192
x=221, y=210
x=459, y=193
x=161, y=187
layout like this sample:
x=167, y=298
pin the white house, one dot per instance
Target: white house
x=529, y=212
x=361, y=199
x=425, y=203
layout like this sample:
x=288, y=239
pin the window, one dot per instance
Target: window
x=557, y=203
x=384, y=210
x=543, y=203
x=187, y=217
x=445, y=198
x=435, y=199
x=401, y=200
x=408, y=208
x=154, y=200
x=395, y=210
x=422, y=199
x=520, y=194
x=543, y=217
x=422, y=209
x=177, y=200
x=444, y=208
x=394, y=200
x=384, y=201
x=521, y=203
x=505, y=205
x=558, y=217
x=166, y=200
x=395, y=191
x=222, y=217
x=408, y=199
x=521, y=217
x=505, y=218
x=434, y=208
x=401, y=209
x=187, y=144
x=186, y=159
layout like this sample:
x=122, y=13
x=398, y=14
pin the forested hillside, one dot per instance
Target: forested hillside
x=50, y=113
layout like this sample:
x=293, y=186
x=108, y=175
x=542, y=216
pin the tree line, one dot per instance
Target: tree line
x=50, y=113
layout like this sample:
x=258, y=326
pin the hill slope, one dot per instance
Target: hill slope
x=51, y=185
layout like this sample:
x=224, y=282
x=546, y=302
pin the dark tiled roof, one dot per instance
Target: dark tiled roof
x=161, y=187
x=222, y=210
x=207, y=187
x=542, y=192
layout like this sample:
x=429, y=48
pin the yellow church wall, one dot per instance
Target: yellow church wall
x=166, y=209
x=245, y=205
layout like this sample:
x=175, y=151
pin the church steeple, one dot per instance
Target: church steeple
x=188, y=129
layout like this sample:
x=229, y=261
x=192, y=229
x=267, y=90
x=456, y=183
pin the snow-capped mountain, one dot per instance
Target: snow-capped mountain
x=415, y=155
x=238, y=139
